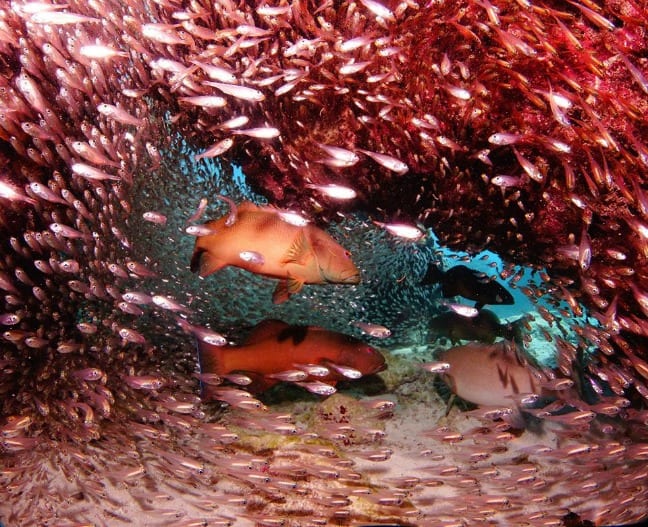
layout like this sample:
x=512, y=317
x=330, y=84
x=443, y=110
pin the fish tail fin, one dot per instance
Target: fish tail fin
x=209, y=358
x=205, y=263
x=433, y=275
x=514, y=332
x=516, y=419
x=195, y=259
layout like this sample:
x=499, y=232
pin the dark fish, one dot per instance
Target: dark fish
x=485, y=327
x=275, y=347
x=463, y=281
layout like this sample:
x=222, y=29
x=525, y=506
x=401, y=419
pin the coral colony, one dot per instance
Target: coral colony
x=518, y=127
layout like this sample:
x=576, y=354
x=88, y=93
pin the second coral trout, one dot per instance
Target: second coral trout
x=276, y=351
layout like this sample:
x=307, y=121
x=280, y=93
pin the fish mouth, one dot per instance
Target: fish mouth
x=352, y=278
x=345, y=277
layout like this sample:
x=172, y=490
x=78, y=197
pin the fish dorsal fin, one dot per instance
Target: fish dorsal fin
x=265, y=330
x=433, y=275
x=299, y=250
x=246, y=206
x=285, y=288
x=296, y=333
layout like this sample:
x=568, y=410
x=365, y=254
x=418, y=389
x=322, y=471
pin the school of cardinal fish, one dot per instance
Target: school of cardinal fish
x=132, y=255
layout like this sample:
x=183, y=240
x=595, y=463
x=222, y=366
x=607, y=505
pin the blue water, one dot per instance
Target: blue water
x=233, y=300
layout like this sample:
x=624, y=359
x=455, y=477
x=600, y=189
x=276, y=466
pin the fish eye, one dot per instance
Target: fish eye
x=347, y=254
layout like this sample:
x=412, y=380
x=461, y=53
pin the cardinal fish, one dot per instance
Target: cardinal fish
x=484, y=327
x=463, y=281
x=296, y=254
x=306, y=355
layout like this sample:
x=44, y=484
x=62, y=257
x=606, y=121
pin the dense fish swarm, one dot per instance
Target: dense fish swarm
x=513, y=126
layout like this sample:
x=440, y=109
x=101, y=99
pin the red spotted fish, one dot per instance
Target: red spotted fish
x=274, y=351
x=296, y=254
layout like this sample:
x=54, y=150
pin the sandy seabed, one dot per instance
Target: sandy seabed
x=395, y=457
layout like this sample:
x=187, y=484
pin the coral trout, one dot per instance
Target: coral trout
x=275, y=348
x=296, y=254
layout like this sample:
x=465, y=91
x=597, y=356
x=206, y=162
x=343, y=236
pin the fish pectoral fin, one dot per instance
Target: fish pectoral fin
x=208, y=263
x=285, y=288
x=299, y=250
x=281, y=293
x=294, y=285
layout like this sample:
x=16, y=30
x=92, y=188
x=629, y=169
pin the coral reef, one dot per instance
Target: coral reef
x=509, y=125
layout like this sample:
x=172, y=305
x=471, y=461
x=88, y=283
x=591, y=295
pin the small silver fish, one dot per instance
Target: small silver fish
x=240, y=92
x=144, y=382
x=208, y=336
x=137, y=297
x=90, y=172
x=44, y=192
x=463, y=310
x=317, y=387
x=11, y=193
x=314, y=370
x=347, y=158
x=205, y=101
x=373, y=330
x=167, y=303
x=155, y=217
x=101, y=51
x=389, y=162
x=238, y=378
x=252, y=257
x=335, y=191
x=289, y=216
x=504, y=181
x=345, y=371
x=436, y=366
x=118, y=114
x=199, y=230
x=262, y=132
x=379, y=10
x=289, y=375
x=503, y=138
x=409, y=232
x=217, y=149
